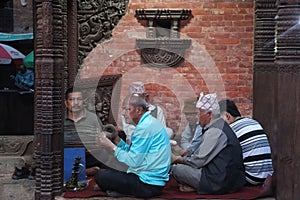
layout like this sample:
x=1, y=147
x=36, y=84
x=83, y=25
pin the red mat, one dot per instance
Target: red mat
x=171, y=191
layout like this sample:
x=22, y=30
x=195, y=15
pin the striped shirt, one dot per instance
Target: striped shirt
x=256, y=149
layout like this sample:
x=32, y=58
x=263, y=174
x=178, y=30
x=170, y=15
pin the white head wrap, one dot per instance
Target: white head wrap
x=208, y=102
x=137, y=88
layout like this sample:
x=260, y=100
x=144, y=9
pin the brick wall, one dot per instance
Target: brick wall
x=220, y=59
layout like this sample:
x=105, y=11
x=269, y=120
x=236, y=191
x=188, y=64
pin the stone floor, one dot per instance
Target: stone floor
x=23, y=189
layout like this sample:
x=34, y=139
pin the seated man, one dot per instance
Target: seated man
x=148, y=156
x=191, y=114
x=191, y=136
x=24, y=78
x=216, y=167
x=254, y=142
x=81, y=127
x=155, y=111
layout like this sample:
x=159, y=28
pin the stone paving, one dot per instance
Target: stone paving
x=23, y=189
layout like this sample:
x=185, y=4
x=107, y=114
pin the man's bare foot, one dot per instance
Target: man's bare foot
x=92, y=171
x=96, y=188
x=186, y=188
x=267, y=187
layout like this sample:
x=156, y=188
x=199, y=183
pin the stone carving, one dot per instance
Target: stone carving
x=14, y=145
x=96, y=20
x=99, y=101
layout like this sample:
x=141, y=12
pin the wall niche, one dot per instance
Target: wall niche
x=163, y=46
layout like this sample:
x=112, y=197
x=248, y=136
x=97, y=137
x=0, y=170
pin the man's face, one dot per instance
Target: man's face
x=74, y=102
x=204, y=117
x=21, y=68
x=192, y=118
x=131, y=114
x=227, y=117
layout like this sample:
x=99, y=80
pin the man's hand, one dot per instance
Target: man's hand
x=106, y=142
x=176, y=159
x=178, y=150
x=117, y=140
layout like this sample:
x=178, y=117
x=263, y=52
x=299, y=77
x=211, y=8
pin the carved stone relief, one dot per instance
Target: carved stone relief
x=96, y=20
x=14, y=145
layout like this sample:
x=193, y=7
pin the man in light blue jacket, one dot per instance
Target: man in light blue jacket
x=148, y=156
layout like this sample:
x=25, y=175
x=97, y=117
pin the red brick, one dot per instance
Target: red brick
x=213, y=18
x=221, y=55
x=233, y=17
x=210, y=5
x=243, y=23
x=227, y=5
x=229, y=41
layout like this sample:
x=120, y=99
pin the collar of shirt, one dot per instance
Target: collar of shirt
x=83, y=116
x=145, y=115
x=151, y=107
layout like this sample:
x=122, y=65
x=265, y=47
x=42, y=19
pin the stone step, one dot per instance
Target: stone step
x=8, y=163
x=22, y=189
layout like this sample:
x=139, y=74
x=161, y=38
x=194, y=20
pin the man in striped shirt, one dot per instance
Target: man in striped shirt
x=216, y=166
x=254, y=142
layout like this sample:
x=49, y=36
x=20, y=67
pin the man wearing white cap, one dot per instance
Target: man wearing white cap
x=216, y=167
x=155, y=111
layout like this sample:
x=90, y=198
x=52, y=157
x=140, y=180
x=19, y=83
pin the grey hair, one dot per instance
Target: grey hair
x=137, y=101
x=216, y=113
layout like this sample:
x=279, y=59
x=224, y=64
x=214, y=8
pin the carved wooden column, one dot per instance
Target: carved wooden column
x=48, y=126
x=288, y=61
x=265, y=70
x=72, y=66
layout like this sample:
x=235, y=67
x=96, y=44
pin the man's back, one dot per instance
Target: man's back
x=256, y=149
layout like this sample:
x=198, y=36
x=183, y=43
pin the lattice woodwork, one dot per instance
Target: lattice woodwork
x=264, y=31
x=288, y=32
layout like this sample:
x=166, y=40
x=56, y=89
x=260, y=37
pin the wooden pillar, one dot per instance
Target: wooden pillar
x=265, y=71
x=72, y=66
x=49, y=82
x=288, y=61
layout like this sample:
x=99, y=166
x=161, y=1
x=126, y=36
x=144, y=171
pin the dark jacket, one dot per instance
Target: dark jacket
x=225, y=173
